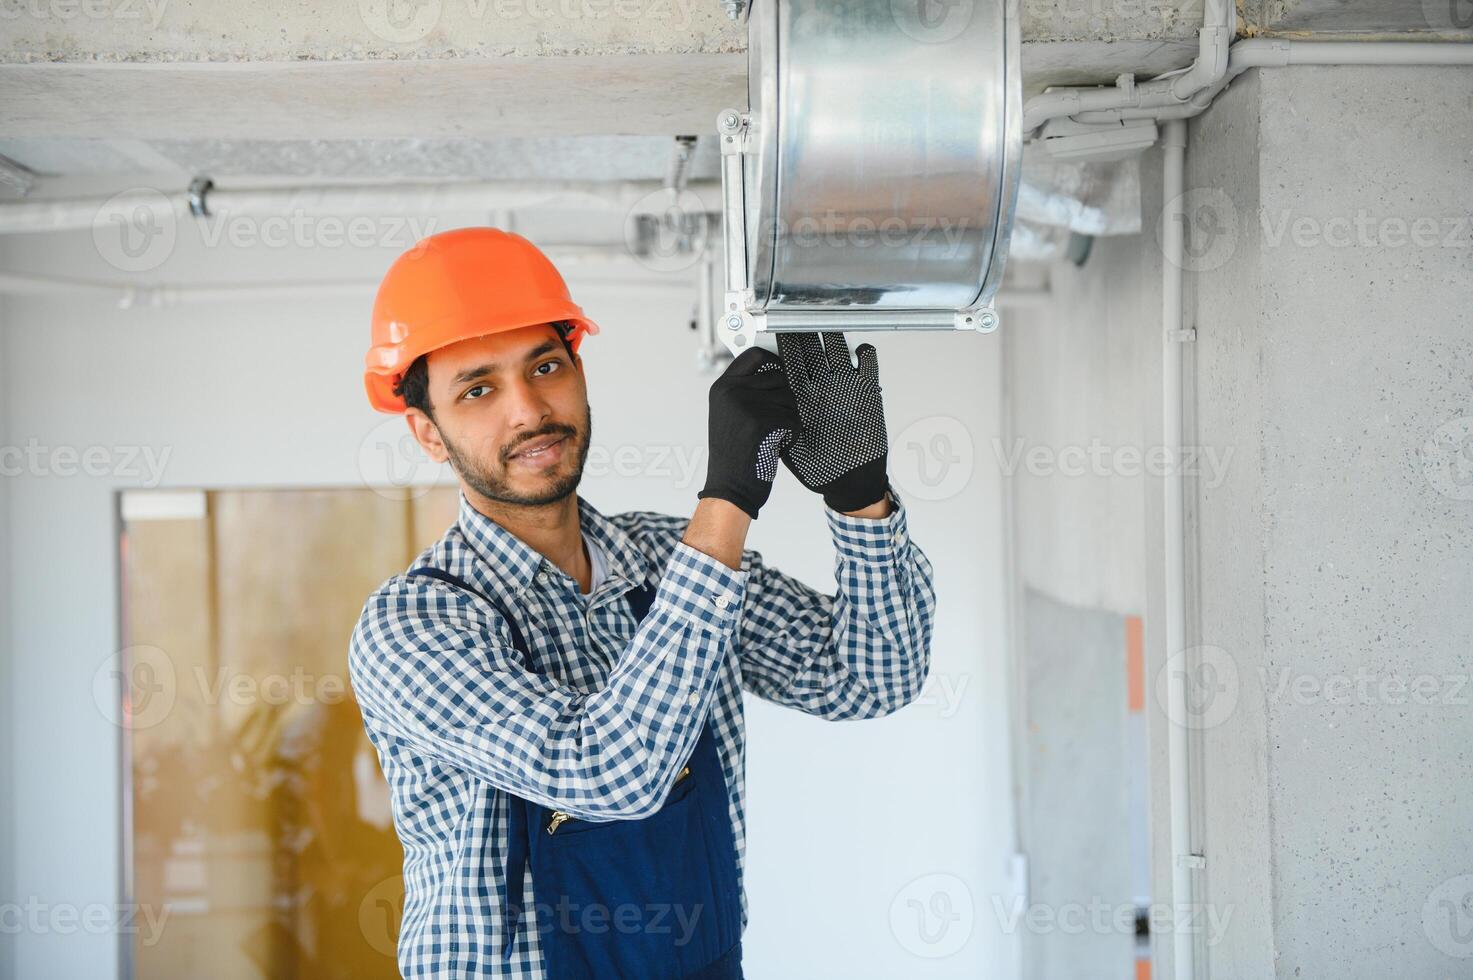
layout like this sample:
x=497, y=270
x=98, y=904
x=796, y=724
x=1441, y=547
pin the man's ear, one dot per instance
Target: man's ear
x=427, y=434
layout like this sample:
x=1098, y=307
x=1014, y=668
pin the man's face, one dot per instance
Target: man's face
x=511, y=415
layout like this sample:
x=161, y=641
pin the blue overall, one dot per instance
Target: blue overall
x=649, y=899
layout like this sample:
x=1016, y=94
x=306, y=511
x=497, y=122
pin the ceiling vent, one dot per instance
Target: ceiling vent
x=871, y=182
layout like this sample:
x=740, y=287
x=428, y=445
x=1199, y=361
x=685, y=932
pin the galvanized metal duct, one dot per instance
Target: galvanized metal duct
x=872, y=180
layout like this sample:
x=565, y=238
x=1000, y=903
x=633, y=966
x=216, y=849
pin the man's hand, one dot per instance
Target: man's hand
x=841, y=448
x=752, y=414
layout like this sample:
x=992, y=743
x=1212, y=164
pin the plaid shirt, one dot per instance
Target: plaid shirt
x=618, y=705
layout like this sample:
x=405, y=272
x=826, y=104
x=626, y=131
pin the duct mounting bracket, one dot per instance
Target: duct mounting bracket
x=733, y=127
x=1070, y=141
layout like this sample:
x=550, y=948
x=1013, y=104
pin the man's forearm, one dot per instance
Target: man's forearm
x=719, y=528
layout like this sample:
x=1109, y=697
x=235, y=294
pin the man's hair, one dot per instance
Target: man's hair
x=414, y=385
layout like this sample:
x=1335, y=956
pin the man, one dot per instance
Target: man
x=556, y=695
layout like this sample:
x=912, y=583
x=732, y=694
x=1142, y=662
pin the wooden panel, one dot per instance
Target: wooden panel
x=168, y=626
x=431, y=513
x=278, y=858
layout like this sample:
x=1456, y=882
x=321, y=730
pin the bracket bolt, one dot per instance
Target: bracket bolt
x=734, y=322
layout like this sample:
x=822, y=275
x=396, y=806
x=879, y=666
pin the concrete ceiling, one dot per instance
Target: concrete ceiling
x=386, y=89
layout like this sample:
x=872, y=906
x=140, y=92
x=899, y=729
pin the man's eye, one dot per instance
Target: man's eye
x=551, y=365
x=471, y=393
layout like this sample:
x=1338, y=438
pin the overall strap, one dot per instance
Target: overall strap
x=517, y=641
x=639, y=598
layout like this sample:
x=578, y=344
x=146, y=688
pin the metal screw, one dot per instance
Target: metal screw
x=730, y=120
x=734, y=323
x=988, y=320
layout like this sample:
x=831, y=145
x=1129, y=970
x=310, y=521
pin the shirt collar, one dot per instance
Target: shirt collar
x=505, y=563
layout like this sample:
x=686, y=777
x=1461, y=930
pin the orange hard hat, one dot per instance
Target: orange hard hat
x=454, y=286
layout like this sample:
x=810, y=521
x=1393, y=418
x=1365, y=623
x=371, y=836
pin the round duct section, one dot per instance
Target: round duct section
x=871, y=183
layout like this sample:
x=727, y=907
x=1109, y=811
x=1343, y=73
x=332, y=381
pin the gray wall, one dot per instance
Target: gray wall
x=1330, y=531
x=1075, y=748
x=1336, y=567
x=7, y=691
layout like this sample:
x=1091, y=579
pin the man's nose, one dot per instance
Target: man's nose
x=526, y=406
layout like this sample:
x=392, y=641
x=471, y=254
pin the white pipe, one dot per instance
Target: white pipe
x=1211, y=64
x=1186, y=93
x=1174, y=144
x=634, y=197
x=1273, y=53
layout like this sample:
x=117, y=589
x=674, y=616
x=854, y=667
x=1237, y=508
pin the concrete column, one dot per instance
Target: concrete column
x=1331, y=251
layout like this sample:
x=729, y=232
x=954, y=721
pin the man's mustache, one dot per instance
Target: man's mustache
x=555, y=429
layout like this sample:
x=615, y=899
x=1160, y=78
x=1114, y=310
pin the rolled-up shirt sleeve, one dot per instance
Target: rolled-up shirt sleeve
x=859, y=653
x=433, y=667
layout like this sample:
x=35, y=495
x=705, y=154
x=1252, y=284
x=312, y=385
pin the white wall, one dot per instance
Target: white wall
x=843, y=817
x=1083, y=391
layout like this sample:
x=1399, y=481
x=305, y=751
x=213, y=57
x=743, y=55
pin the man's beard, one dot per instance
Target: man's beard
x=480, y=479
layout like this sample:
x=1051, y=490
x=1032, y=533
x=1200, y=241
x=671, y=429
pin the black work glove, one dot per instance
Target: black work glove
x=752, y=414
x=841, y=447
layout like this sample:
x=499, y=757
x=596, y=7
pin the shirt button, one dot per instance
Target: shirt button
x=542, y=576
x=722, y=601
x=693, y=699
